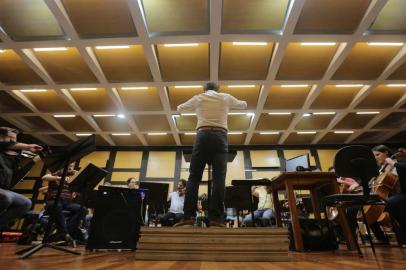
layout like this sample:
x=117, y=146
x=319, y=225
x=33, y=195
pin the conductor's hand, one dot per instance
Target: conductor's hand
x=33, y=148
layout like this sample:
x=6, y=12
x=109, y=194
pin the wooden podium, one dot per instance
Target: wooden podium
x=312, y=181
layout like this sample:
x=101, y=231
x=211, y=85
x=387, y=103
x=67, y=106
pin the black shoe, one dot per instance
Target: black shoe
x=188, y=222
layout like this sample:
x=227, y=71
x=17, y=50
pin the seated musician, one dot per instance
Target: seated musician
x=264, y=211
x=65, y=230
x=177, y=199
x=12, y=204
x=133, y=183
x=396, y=203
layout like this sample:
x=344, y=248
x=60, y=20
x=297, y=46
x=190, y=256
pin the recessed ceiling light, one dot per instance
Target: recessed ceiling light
x=234, y=133
x=2, y=51
x=243, y=43
x=112, y=47
x=280, y=113
x=187, y=86
x=175, y=115
x=237, y=113
x=84, y=89
x=241, y=86
x=324, y=113
x=187, y=114
x=307, y=114
x=343, y=132
x=157, y=133
x=190, y=133
x=269, y=133
x=121, y=134
x=348, y=85
x=396, y=85
x=64, y=115
x=83, y=134
x=104, y=115
x=306, y=132
x=121, y=115
x=367, y=112
x=50, y=49
x=182, y=45
x=293, y=85
x=33, y=90
x=385, y=43
x=317, y=43
x=135, y=88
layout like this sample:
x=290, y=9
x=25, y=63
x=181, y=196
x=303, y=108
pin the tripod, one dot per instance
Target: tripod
x=54, y=162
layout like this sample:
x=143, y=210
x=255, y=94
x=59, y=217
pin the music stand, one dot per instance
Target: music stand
x=230, y=157
x=156, y=198
x=239, y=198
x=54, y=162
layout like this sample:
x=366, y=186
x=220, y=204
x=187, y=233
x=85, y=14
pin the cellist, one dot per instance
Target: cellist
x=396, y=203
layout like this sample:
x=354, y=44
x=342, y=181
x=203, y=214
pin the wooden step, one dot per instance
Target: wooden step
x=213, y=244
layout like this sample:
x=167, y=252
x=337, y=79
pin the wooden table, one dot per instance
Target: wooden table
x=312, y=181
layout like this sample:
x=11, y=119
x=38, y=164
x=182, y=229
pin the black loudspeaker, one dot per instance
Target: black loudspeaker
x=116, y=220
x=317, y=235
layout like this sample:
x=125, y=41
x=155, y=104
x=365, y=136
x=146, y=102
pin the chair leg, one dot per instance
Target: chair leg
x=368, y=230
x=354, y=234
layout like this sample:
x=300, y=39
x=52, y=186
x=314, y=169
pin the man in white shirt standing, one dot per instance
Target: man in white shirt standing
x=210, y=147
x=177, y=199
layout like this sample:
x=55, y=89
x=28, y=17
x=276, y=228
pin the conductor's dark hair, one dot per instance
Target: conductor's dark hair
x=211, y=86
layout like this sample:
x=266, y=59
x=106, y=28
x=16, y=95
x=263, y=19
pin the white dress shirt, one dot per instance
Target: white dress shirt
x=177, y=202
x=212, y=108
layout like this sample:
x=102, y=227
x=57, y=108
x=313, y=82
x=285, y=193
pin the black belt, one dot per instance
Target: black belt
x=209, y=128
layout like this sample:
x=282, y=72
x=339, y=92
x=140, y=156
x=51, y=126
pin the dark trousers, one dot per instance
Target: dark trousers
x=166, y=219
x=77, y=214
x=12, y=206
x=396, y=206
x=210, y=147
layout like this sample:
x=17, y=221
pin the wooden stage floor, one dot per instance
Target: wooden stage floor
x=388, y=258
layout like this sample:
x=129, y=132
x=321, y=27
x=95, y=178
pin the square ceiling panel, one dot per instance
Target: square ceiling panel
x=144, y=99
x=392, y=121
x=152, y=122
x=179, y=95
x=77, y=124
x=29, y=20
x=5, y=123
x=13, y=70
x=113, y=124
x=303, y=62
x=94, y=100
x=391, y=19
x=274, y=122
x=177, y=17
x=400, y=137
x=370, y=137
x=382, y=96
x=280, y=97
x=248, y=93
x=295, y=138
x=237, y=139
x=314, y=122
x=126, y=140
x=239, y=61
x=66, y=66
x=326, y=16
x=8, y=104
x=185, y=122
x=254, y=16
x=258, y=138
x=239, y=122
x=126, y=64
x=95, y=18
x=334, y=138
x=365, y=62
x=60, y=139
x=160, y=139
x=399, y=74
x=36, y=123
x=354, y=121
x=48, y=101
x=189, y=62
x=187, y=139
x=101, y=141
x=333, y=97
